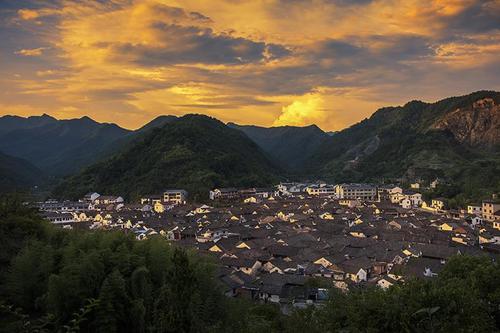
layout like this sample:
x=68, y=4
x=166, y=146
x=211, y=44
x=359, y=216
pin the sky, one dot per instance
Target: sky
x=264, y=62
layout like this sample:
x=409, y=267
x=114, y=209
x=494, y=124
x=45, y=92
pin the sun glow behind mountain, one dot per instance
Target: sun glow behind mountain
x=275, y=62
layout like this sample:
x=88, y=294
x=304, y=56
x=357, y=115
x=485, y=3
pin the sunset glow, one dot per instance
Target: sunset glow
x=268, y=62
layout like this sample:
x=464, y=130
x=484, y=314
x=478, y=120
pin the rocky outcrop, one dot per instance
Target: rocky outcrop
x=476, y=125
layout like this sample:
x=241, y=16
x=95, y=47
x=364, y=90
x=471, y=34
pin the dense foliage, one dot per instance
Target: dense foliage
x=18, y=174
x=196, y=153
x=69, y=281
x=53, y=280
x=398, y=143
x=289, y=146
x=465, y=297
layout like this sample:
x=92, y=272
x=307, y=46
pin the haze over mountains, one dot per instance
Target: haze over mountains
x=457, y=138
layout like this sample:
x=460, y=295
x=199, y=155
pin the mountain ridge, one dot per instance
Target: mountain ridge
x=194, y=152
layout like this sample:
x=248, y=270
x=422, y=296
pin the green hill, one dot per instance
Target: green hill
x=456, y=139
x=289, y=146
x=17, y=174
x=193, y=152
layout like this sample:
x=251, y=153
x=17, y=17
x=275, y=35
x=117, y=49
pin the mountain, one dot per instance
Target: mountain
x=193, y=152
x=17, y=174
x=155, y=123
x=57, y=147
x=456, y=139
x=10, y=123
x=289, y=146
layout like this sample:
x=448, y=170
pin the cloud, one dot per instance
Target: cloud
x=176, y=44
x=31, y=52
x=28, y=14
x=331, y=62
x=305, y=110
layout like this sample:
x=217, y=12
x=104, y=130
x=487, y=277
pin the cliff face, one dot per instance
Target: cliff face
x=476, y=125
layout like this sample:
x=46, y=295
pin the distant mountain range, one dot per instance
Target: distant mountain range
x=63, y=147
x=57, y=147
x=193, y=152
x=289, y=146
x=456, y=138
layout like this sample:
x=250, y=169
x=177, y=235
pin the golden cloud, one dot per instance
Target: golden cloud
x=31, y=52
x=254, y=62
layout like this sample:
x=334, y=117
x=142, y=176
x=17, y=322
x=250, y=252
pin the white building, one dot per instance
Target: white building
x=356, y=191
x=322, y=189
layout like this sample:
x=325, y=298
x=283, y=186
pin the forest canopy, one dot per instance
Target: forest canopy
x=55, y=280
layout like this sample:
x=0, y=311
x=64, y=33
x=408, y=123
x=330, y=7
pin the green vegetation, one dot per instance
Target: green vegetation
x=54, y=280
x=465, y=297
x=17, y=174
x=289, y=146
x=399, y=143
x=196, y=153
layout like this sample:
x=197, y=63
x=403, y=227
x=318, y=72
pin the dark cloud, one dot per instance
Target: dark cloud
x=190, y=44
x=480, y=17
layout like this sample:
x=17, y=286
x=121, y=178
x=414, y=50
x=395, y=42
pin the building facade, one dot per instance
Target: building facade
x=356, y=191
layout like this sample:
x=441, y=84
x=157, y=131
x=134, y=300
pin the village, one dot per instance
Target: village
x=289, y=244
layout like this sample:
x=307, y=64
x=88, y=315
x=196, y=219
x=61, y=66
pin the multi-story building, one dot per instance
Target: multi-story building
x=108, y=199
x=322, y=189
x=224, y=193
x=175, y=196
x=490, y=210
x=356, y=191
x=65, y=206
x=151, y=199
x=234, y=193
x=474, y=209
x=291, y=188
x=438, y=203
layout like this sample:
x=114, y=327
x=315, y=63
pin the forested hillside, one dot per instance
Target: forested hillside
x=289, y=146
x=194, y=152
x=420, y=141
x=17, y=174
x=55, y=280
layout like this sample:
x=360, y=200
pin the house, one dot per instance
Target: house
x=386, y=282
x=438, y=203
x=247, y=266
x=321, y=189
x=91, y=197
x=476, y=220
x=490, y=210
x=59, y=218
x=160, y=207
x=175, y=196
x=420, y=268
x=385, y=192
x=474, y=209
x=326, y=216
x=357, y=269
x=356, y=191
x=224, y=193
x=434, y=183
x=405, y=203
x=151, y=199
x=108, y=199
